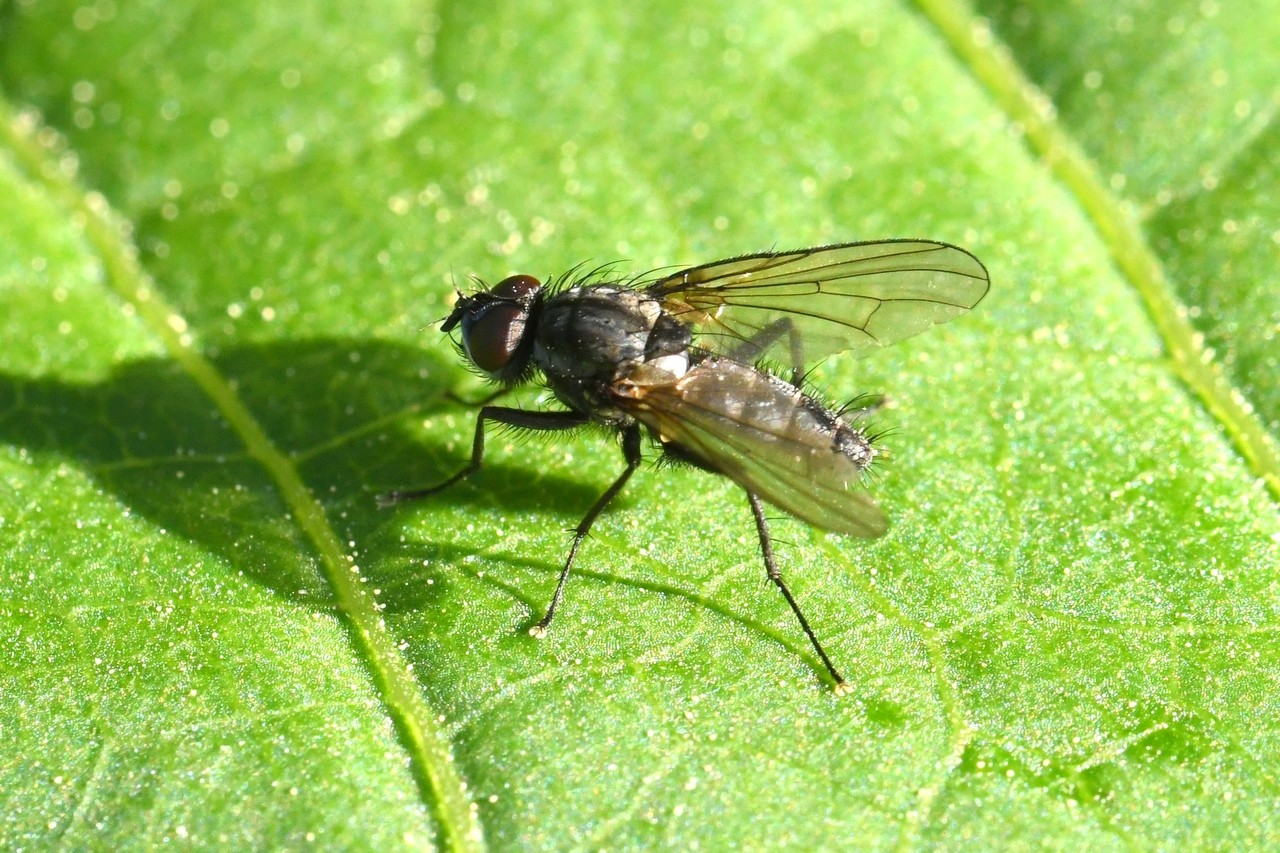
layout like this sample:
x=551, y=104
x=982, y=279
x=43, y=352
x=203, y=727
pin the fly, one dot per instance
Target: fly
x=674, y=358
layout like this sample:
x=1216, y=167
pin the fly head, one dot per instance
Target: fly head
x=497, y=327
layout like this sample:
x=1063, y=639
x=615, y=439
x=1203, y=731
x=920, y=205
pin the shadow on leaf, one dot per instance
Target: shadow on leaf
x=151, y=437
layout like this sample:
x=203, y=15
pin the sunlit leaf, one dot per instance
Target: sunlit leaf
x=210, y=635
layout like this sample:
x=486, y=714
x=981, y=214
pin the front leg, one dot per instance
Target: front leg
x=543, y=421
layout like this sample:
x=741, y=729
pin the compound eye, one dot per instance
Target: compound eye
x=494, y=336
x=516, y=287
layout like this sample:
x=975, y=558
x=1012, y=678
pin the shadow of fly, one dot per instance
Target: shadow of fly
x=675, y=358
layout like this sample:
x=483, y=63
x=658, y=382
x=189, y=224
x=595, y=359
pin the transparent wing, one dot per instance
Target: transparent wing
x=765, y=436
x=811, y=303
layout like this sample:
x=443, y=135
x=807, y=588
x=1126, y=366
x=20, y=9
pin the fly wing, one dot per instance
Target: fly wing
x=815, y=302
x=763, y=434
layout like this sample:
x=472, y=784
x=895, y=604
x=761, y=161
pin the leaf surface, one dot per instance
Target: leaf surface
x=227, y=233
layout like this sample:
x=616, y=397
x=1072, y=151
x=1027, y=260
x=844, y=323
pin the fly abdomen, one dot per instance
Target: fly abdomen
x=764, y=434
x=755, y=400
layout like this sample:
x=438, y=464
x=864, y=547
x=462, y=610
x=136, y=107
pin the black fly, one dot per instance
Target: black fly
x=675, y=356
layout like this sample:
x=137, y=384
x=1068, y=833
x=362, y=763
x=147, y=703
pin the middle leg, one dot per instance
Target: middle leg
x=631, y=453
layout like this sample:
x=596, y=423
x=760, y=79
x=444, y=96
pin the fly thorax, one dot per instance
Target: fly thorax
x=667, y=349
x=587, y=337
x=673, y=366
x=586, y=331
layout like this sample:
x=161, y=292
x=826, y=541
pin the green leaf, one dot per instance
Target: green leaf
x=228, y=231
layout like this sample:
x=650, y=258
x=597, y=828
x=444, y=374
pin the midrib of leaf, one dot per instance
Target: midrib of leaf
x=995, y=66
x=38, y=150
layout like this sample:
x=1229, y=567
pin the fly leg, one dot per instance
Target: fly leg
x=546, y=421
x=771, y=567
x=766, y=337
x=630, y=452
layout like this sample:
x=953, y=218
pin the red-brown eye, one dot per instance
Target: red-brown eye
x=493, y=337
x=494, y=324
x=516, y=287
